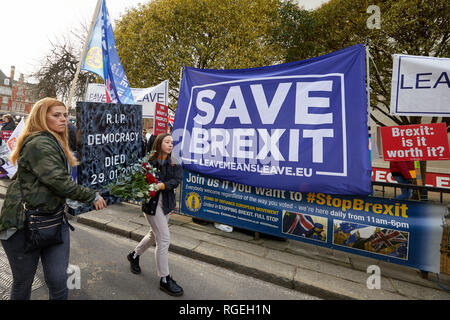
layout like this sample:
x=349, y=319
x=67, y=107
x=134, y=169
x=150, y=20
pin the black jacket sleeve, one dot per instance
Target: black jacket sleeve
x=174, y=178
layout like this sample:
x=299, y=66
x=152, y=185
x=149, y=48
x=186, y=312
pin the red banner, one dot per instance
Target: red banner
x=415, y=142
x=161, y=114
x=5, y=135
x=439, y=180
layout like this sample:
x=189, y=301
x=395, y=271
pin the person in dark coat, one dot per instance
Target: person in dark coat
x=42, y=157
x=157, y=210
x=144, y=143
x=147, y=145
x=403, y=172
x=151, y=141
x=8, y=123
x=72, y=136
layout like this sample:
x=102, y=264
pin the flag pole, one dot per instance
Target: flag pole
x=368, y=74
x=368, y=97
x=72, y=89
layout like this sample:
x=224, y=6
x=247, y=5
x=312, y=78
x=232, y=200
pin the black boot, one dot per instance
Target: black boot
x=134, y=263
x=170, y=286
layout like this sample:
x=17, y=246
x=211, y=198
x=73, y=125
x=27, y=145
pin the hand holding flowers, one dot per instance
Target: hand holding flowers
x=137, y=182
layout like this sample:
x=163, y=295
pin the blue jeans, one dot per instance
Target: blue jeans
x=406, y=193
x=55, y=260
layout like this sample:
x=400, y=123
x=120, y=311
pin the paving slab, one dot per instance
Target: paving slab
x=323, y=284
x=253, y=264
x=139, y=233
x=183, y=242
x=122, y=228
x=418, y=292
x=95, y=221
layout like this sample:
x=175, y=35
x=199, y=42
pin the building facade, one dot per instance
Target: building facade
x=5, y=92
x=16, y=97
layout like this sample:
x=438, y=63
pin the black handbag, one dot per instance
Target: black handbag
x=149, y=206
x=43, y=228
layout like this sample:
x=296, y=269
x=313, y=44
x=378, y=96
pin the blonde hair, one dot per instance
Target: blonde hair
x=37, y=122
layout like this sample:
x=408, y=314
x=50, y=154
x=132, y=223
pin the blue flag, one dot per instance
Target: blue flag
x=347, y=227
x=93, y=59
x=108, y=65
x=299, y=126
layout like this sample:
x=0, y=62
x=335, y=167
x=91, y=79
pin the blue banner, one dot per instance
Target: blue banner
x=403, y=232
x=102, y=58
x=300, y=126
x=117, y=88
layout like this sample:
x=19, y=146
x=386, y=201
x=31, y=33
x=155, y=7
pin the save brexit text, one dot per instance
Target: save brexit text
x=212, y=109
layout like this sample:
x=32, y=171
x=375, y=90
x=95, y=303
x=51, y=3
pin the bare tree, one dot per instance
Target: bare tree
x=58, y=68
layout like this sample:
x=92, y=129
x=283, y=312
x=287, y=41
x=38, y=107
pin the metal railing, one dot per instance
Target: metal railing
x=420, y=193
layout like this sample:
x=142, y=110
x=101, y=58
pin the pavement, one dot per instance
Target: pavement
x=318, y=271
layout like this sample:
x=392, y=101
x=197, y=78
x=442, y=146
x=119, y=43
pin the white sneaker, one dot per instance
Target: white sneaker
x=223, y=227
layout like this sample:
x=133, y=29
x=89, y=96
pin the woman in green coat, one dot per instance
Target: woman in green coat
x=44, y=162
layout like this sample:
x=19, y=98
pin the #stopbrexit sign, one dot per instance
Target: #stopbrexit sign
x=300, y=126
x=403, y=232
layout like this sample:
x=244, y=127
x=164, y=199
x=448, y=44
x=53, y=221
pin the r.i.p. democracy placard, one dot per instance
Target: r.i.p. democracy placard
x=110, y=140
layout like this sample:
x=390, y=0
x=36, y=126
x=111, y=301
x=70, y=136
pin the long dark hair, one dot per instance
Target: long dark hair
x=157, y=145
x=9, y=117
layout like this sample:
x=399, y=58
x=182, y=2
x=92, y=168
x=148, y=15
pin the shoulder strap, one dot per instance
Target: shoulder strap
x=17, y=173
x=21, y=190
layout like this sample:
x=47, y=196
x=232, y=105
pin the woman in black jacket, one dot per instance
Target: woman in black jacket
x=157, y=212
x=8, y=123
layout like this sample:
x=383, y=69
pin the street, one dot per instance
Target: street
x=105, y=275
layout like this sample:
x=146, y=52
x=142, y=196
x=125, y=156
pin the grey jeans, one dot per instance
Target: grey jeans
x=55, y=260
x=160, y=234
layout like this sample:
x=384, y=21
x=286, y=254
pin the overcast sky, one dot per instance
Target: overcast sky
x=28, y=26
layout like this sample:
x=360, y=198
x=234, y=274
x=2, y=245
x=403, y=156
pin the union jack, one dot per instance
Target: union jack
x=387, y=238
x=108, y=90
x=303, y=222
x=171, y=118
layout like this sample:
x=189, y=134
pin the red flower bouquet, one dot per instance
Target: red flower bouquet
x=137, y=182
